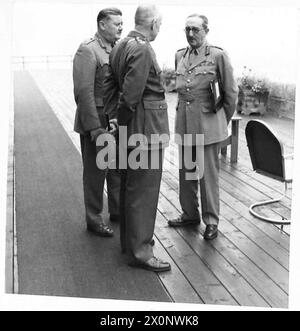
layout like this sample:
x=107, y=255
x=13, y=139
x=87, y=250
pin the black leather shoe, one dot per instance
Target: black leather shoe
x=183, y=222
x=153, y=264
x=114, y=218
x=211, y=232
x=100, y=229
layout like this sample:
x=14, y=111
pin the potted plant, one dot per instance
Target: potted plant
x=253, y=94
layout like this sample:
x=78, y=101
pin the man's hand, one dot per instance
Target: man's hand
x=113, y=125
x=96, y=132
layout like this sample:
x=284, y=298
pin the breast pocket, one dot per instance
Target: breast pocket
x=156, y=118
x=208, y=72
x=203, y=76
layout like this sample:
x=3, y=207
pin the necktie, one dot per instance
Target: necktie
x=192, y=56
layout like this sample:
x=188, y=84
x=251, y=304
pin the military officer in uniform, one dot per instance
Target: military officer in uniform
x=196, y=67
x=134, y=75
x=89, y=68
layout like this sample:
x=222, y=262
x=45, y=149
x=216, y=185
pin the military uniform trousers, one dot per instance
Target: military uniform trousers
x=93, y=184
x=138, y=205
x=209, y=186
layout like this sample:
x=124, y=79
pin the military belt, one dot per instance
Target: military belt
x=201, y=95
x=150, y=95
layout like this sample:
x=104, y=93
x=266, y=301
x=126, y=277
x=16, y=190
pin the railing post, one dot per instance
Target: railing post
x=234, y=139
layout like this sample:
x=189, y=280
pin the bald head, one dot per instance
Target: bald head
x=147, y=21
x=145, y=15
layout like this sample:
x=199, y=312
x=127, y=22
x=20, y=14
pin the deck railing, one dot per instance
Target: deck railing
x=41, y=62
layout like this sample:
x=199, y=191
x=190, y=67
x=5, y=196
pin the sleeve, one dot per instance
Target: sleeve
x=84, y=71
x=135, y=79
x=228, y=84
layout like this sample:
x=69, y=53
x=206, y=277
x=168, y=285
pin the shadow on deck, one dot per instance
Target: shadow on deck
x=248, y=264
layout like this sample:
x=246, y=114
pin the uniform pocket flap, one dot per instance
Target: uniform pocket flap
x=155, y=104
x=207, y=70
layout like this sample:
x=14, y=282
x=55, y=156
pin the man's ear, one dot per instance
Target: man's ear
x=152, y=24
x=101, y=25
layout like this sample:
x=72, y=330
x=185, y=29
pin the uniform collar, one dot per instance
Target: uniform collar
x=102, y=44
x=137, y=34
x=199, y=50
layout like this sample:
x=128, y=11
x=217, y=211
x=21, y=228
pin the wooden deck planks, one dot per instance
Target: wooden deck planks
x=241, y=242
x=185, y=293
x=172, y=177
x=205, y=283
x=254, y=275
x=247, y=264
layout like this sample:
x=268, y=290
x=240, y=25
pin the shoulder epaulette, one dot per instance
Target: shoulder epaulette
x=130, y=40
x=217, y=47
x=140, y=40
x=183, y=50
x=90, y=40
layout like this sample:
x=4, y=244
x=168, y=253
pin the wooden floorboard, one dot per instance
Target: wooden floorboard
x=250, y=248
x=205, y=283
x=279, y=237
x=250, y=271
x=248, y=263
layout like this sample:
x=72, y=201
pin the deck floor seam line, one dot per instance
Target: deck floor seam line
x=268, y=276
x=263, y=232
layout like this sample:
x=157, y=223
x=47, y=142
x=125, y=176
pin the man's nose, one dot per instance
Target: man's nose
x=191, y=33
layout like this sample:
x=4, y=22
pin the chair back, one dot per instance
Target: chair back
x=265, y=149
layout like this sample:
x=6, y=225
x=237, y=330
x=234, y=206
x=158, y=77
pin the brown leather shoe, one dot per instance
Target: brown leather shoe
x=211, y=232
x=153, y=264
x=183, y=222
x=100, y=229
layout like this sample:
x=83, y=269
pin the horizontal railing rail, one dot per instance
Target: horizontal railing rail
x=27, y=60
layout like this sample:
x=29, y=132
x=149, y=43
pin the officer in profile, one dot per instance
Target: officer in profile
x=134, y=75
x=89, y=68
x=207, y=95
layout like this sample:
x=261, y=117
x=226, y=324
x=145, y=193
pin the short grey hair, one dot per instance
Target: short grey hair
x=204, y=19
x=145, y=14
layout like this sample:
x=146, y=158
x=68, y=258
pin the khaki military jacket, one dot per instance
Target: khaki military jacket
x=89, y=69
x=135, y=76
x=195, y=112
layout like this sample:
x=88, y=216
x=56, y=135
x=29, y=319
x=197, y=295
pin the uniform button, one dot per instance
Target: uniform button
x=160, y=107
x=188, y=103
x=187, y=89
x=190, y=72
x=188, y=80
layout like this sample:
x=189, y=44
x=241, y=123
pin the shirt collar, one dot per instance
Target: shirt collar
x=198, y=50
